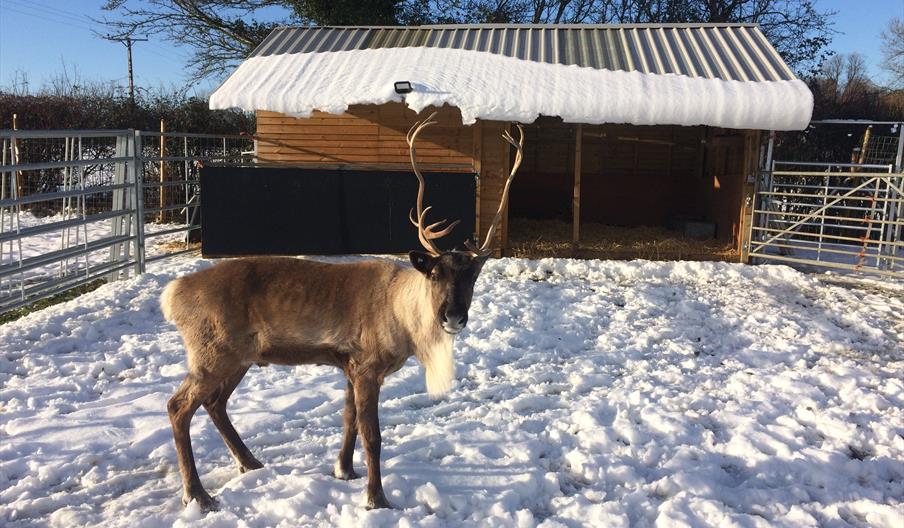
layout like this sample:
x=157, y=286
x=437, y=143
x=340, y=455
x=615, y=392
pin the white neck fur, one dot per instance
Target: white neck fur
x=438, y=364
x=432, y=345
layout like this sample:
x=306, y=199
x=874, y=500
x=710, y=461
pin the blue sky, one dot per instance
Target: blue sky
x=39, y=37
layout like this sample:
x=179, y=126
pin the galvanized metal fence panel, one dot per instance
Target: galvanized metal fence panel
x=78, y=206
x=844, y=216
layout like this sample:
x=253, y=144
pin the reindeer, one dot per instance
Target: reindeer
x=366, y=318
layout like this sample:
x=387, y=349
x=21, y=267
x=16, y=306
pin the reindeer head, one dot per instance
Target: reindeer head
x=452, y=274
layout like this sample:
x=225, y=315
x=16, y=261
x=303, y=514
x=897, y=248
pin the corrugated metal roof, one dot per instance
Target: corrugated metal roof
x=737, y=52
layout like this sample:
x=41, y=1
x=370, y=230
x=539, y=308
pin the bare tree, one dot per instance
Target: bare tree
x=218, y=33
x=893, y=51
x=222, y=32
x=18, y=84
x=843, y=89
x=415, y=12
x=563, y=11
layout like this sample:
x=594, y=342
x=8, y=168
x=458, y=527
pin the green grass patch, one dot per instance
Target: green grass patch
x=67, y=295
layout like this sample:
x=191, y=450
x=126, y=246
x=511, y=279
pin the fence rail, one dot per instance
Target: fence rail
x=77, y=206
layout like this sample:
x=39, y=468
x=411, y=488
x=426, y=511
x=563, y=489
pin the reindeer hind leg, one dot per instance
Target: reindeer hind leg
x=344, y=469
x=181, y=407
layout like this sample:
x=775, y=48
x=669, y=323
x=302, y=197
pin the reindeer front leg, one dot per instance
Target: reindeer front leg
x=367, y=397
x=344, y=469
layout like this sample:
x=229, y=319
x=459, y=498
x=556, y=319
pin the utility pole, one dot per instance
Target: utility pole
x=128, y=41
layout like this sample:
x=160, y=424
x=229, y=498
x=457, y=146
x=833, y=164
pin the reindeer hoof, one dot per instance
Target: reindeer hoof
x=250, y=465
x=205, y=501
x=378, y=502
x=345, y=474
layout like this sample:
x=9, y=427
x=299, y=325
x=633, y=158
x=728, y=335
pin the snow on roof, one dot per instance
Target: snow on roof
x=715, y=89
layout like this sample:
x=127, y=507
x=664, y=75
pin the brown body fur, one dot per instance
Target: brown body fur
x=367, y=318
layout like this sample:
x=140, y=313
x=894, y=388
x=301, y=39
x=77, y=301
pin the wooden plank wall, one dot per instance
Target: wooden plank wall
x=631, y=175
x=639, y=175
x=495, y=166
x=375, y=135
x=727, y=163
x=752, y=142
x=543, y=186
x=363, y=135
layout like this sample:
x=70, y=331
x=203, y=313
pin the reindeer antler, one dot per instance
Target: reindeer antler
x=486, y=249
x=426, y=234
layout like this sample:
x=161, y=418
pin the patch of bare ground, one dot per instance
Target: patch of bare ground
x=178, y=246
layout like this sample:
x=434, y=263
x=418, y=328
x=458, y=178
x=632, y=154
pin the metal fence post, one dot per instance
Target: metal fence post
x=120, y=168
x=899, y=155
x=762, y=181
x=138, y=171
x=897, y=213
x=185, y=170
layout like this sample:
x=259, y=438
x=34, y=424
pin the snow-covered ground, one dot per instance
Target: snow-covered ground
x=588, y=393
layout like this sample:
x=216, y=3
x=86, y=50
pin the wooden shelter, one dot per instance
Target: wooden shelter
x=676, y=152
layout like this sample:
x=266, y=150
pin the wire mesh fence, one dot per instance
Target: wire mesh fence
x=170, y=164
x=80, y=206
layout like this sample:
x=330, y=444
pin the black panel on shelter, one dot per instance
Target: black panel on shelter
x=294, y=211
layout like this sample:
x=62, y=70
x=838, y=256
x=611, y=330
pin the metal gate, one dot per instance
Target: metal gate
x=845, y=216
x=79, y=206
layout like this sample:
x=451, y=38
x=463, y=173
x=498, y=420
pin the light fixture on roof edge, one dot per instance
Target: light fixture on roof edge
x=403, y=87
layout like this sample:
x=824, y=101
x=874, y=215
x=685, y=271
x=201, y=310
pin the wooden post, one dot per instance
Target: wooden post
x=865, y=146
x=748, y=192
x=700, y=160
x=507, y=168
x=477, y=154
x=861, y=156
x=161, y=217
x=576, y=192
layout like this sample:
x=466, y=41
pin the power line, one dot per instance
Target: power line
x=52, y=11
x=38, y=11
x=57, y=9
x=50, y=15
x=62, y=17
x=45, y=18
x=56, y=14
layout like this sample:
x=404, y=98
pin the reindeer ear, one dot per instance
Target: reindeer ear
x=423, y=262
